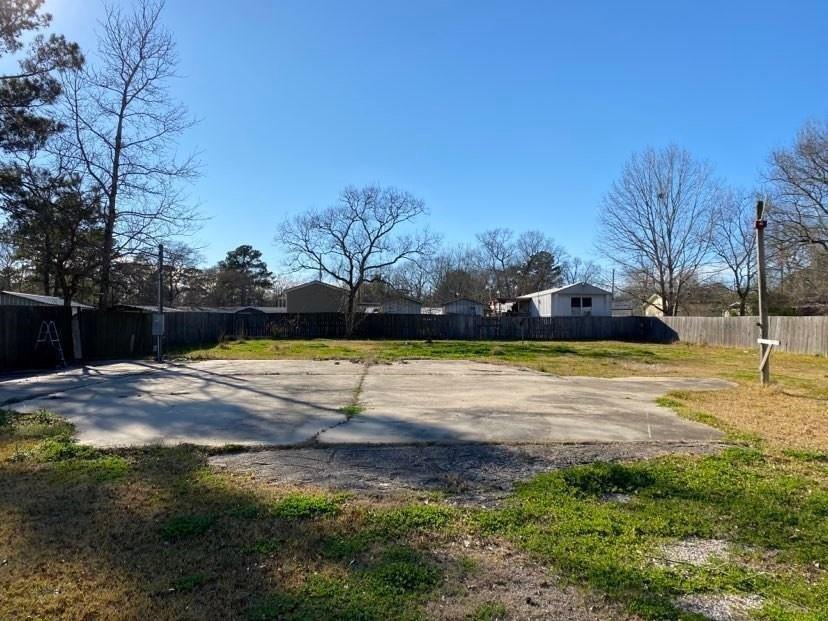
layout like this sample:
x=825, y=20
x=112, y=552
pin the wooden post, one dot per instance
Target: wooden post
x=764, y=347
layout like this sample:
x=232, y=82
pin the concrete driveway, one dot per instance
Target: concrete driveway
x=287, y=402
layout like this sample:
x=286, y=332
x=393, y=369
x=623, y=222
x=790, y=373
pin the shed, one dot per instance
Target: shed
x=463, y=306
x=402, y=305
x=576, y=300
x=16, y=298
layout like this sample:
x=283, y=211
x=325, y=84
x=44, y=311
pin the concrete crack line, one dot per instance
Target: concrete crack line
x=352, y=409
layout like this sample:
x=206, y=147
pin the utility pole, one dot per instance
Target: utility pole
x=159, y=329
x=764, y=345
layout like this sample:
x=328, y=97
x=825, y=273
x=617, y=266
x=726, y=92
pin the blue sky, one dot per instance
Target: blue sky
x=515, y=114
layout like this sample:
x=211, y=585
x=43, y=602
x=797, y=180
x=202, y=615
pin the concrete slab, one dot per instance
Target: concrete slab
x=456, y=402
x=286, y=402
x=209, y=403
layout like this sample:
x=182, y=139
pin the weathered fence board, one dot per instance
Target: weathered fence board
x=803, y=335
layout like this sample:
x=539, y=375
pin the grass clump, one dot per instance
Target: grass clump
x=352, y=409
x=305, y=506
x=414, y=517
x=181, y=527
x=488, y=611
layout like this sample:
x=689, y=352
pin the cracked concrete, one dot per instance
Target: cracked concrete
x=288, y=403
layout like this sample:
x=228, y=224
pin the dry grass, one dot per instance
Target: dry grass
x=777, y=416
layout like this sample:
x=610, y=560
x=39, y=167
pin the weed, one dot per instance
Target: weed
x=352, y=410
x=488, y=611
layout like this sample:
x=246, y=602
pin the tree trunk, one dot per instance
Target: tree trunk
x=111, y=211
x=350, y=315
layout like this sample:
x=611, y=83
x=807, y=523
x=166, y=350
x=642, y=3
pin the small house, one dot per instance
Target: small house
x=577, y=300
x=463, y=306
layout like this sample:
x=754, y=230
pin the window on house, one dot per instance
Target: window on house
x=579, y=306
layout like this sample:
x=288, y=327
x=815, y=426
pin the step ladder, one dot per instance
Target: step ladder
x=49, y=334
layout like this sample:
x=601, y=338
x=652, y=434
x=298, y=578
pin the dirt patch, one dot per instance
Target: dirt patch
x=719, y=606
x=471, y=474
x=493, y=578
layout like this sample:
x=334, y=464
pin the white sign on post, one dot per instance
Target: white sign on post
x=158, y=324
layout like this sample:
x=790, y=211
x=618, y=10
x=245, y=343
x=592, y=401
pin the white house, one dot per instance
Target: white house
x=576, y=300
x=463, y=306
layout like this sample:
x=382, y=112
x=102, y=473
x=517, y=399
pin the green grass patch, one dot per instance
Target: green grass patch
x=806, y=455
x=392, y=586
x=305, y=506
x=186, y=526
x=33, y=426
x=100, y=469
x=414, y=517
x=564, y=518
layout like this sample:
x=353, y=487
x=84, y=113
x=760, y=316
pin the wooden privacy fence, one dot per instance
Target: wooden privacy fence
x=802, y=335
x=381, y=326
x=111, y=335
x=19, y=328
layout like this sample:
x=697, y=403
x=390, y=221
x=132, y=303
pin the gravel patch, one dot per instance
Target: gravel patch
x=697, y=552
x=474, y=474
x=721, y=606
x=480, y=573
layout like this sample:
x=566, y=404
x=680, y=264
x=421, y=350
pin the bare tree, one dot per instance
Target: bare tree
x=123, y=128
x=496, y=249
x=734, y=244
x=357, y=240
x=577, y=270
x=656, y=220
x=799, y=177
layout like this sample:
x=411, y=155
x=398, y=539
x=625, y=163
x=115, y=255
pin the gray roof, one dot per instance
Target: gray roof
x=315, y=282
x=144, y=308
x=446, y=303
x=581, y=287
x=45, y=300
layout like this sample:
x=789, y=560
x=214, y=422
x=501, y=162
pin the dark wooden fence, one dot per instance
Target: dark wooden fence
x=112, y=335
x=19, y=328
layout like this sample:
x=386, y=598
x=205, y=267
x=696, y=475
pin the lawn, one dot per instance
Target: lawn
x=156, y=533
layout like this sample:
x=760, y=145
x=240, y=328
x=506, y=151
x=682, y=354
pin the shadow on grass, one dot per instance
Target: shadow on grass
x=164, y=537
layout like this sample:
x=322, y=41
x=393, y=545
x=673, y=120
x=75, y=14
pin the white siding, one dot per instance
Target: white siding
x=463, y=307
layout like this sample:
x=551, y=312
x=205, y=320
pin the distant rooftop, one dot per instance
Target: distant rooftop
x=44, y=300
